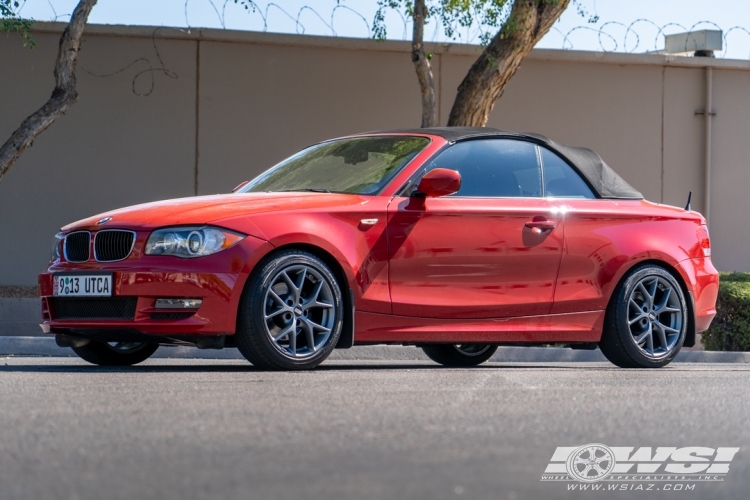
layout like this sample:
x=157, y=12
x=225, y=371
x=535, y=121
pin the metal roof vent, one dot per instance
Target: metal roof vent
x=701, y=43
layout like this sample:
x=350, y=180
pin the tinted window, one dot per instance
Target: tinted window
x=493, y=167
x=560, y=180
x=362, y=165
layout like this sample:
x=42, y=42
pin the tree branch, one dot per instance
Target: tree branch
x=528, y=22
x=63, y=96
x=423, y=67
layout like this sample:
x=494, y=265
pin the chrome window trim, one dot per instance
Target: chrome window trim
x=65, y=247
x=132, y=245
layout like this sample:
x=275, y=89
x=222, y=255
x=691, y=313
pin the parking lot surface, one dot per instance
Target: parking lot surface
x=184, y=429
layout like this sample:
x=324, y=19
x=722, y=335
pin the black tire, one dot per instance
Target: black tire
x=103, y=354
x=620, y=345
x=254, y=335
x=460, y=355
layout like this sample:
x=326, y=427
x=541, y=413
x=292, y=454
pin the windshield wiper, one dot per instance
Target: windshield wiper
x=311, y=190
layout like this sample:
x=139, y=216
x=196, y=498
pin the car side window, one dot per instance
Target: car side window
x=492, y=168
x=560, y=180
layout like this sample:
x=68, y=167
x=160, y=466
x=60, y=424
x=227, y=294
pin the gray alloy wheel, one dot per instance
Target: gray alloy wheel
x=464, y=355
x=655, y=316
x=299, y=302
x=291, y=313
x=116, y=353
x=646, y=321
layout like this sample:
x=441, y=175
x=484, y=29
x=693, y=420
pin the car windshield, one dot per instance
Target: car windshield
x=363, y=165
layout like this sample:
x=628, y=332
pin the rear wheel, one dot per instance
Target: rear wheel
x=646, y=320
x=291, y=314
x=459, y=354
x=116, y=353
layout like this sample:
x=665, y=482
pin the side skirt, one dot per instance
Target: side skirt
x=553, y=328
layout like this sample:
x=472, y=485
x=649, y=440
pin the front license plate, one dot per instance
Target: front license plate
x=82, y=285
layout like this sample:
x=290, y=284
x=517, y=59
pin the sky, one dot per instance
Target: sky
x=647, y=19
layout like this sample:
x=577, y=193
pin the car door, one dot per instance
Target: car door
x=591, y=254
x=491, y=250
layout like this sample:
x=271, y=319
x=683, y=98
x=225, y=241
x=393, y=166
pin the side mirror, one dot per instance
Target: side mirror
x=240, y=186
x=439, y=182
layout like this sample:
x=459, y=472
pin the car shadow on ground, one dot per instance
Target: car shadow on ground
x=338, y=366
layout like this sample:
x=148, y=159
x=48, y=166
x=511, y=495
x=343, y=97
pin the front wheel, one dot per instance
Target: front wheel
x=646, y=321
x=291, y=313
x=116, y=353
x=459, y=354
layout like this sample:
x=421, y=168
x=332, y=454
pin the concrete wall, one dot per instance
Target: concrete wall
x=231, y=104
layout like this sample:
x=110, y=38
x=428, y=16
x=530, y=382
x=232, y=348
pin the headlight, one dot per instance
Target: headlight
x=59, y=237
x=189, y=242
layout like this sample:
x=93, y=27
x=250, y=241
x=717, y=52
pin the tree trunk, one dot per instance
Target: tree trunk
x=528, y=22
x=63, y=96
x=422, y=65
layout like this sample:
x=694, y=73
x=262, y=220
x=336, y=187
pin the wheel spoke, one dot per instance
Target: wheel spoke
x=285, y=331
x=634, y=305
x=313, y=299
x=301, y=283
x=309, y=334
x=316, y=326
x=644, y=292
x=290, y=284
x=637, y=319
x=652, y=292
x=644, y=335
x=650, y=341
x=276, y=313
x=662, y=335
x=665, y=300
x=666, y=328
x=293, y=340
x=276, y=297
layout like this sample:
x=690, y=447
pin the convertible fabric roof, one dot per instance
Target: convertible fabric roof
x=600, y=176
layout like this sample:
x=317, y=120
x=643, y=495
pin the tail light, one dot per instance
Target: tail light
x=704, y=240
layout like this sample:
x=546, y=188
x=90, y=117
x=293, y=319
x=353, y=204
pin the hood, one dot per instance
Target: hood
x=211, y=209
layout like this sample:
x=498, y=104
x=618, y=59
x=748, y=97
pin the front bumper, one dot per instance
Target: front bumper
x=216, y=279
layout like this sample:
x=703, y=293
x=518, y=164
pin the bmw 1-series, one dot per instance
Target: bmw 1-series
x=455, y=240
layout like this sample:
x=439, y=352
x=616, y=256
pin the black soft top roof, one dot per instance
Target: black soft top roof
x=600, y=176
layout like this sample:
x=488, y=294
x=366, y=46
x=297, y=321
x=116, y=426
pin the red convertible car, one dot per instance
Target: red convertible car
x=456, y=240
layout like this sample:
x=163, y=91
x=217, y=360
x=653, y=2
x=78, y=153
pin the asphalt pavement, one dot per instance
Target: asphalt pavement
x=188, y=429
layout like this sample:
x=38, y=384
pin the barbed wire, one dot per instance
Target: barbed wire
x=630, y=39
x=611, y=36
x=640, y=36
x=256, y=9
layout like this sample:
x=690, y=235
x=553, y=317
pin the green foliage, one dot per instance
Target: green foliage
x=456, y=16
x=453, y=15
x=11, y=21
x=730, y=329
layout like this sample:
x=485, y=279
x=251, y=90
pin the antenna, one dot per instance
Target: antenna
x=690, y=197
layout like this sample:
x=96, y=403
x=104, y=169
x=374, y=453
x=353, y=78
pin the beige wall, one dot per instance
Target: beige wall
x=242, y=101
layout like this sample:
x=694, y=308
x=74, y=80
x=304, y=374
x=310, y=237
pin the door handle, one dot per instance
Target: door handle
x=542, y=225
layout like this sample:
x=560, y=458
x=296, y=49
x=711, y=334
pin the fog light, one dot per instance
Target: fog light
x=178, y=303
